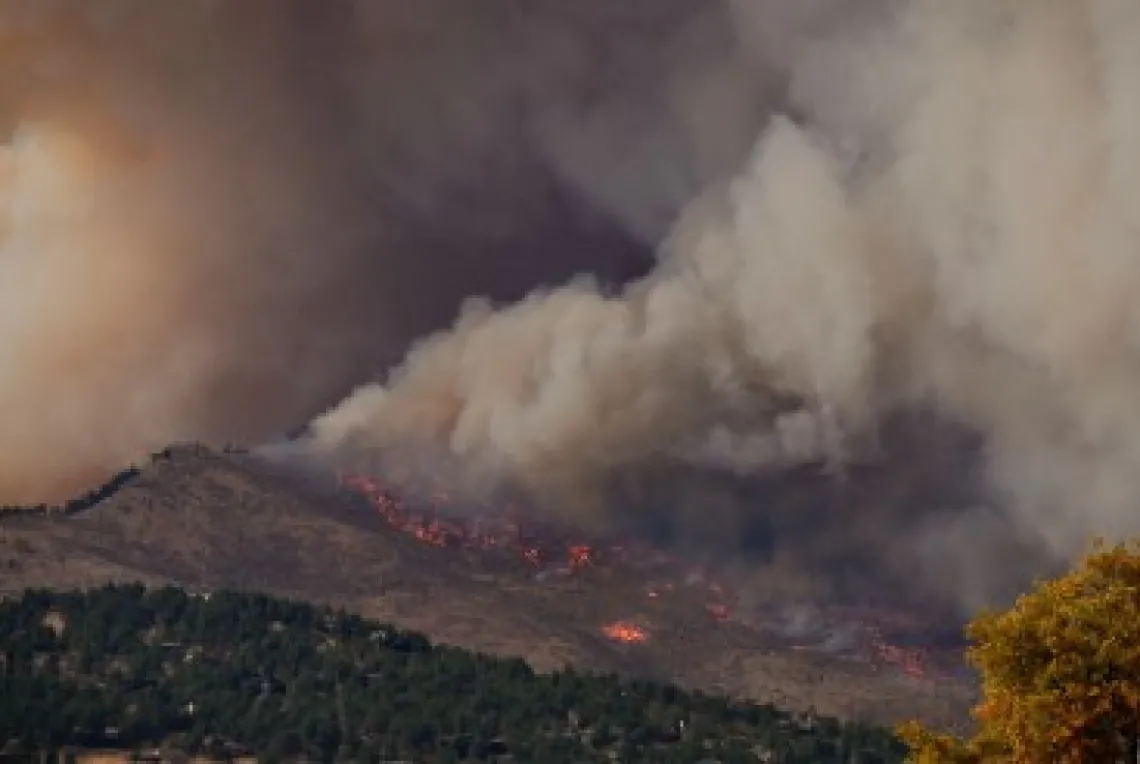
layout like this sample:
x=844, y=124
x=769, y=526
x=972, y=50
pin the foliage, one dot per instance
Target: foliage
x=100, y=493
x=1060, y=672
x=227, y=673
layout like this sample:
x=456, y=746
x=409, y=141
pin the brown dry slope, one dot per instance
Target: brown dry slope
x=207, y=520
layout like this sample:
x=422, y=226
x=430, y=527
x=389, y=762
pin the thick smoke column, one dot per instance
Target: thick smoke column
x=951, y=228
x=218, y=217
x=154, y=241
x=876, y=222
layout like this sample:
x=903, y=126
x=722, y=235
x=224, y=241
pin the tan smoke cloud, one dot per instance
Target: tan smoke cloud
x=133, y=229
x=219, y=216
x=954, y=227
x=215, y=218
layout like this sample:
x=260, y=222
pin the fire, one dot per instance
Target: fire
x=485, y=533
x=665, y=575
x=579, y=556
x=909, y=661
x=626, y=633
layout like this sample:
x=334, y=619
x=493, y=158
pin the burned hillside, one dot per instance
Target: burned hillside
x=207, y=520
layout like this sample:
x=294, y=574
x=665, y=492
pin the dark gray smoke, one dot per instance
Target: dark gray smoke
x=864, y=270
x=947, y=227
x=218, y=217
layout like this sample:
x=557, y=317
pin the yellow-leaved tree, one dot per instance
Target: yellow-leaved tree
x=1060, y=673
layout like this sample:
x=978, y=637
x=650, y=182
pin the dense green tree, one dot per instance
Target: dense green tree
x=133, y=668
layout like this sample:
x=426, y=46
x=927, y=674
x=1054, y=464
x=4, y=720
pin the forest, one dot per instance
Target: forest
x=84, y=502
x=223, y=674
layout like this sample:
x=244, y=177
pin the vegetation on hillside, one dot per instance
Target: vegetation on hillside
x=109, y=487
x=1060, y=673
x=80, y=503
x=226, y=673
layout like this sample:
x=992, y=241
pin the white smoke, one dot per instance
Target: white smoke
x=219, y=216
x=952, y=225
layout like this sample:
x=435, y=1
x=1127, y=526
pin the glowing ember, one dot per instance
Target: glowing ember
x=627, y=633
x=579, y=556
x=910, y=662
x=666, y=576
x=483, y=533
x=430, y=528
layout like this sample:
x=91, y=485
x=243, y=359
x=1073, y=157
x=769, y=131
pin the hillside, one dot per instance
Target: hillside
x=227, y=673
x=207, y=521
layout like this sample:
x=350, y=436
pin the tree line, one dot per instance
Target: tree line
x=79, y=503
x=109, y=487
x=229, y=673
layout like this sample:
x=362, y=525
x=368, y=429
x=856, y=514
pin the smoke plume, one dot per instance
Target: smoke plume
x=948, y=227
x=895, y=238
x=218, y=217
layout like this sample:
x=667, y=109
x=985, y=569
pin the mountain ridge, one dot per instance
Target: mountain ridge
x=205, y=519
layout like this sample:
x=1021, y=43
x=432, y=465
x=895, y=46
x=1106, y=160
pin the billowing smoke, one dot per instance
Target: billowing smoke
x=219, y=217
x=893, y=238
x=950, y=227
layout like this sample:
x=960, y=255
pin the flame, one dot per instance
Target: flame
x=483, y=533
x=579, y=556
x=909, y=661
x=557, y=556
x=626, y=633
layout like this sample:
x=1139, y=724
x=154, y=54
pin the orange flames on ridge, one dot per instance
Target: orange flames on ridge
x=909, y=661
x=626, y=633
x=432, y=529
x=549, y=556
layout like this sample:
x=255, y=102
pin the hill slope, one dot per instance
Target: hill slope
x=207, y=520
x=123, y=668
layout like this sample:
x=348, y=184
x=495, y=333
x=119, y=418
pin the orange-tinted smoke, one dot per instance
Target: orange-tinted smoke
x=947, y=224
x=218, y=217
